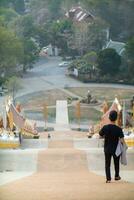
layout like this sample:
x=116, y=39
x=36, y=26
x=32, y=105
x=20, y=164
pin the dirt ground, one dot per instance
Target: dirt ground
x=104, y=93
x=33, y=105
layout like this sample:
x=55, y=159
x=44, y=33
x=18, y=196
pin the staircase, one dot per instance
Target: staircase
x=62, y=121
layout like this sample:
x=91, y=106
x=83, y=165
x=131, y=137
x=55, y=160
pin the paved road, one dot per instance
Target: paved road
x=47, y=74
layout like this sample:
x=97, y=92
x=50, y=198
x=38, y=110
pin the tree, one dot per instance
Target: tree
x=54, y=7
x=43, y=35
x=89, y=37
x=51, y=7
x=19, y=6
x=117, y=13
x=17, y=46
x=109, y=61
x=130, y=48
x=97, y=35
x=8, y=14
x=27, y=32
x=11, y=51
x=80, y=38
x=66, y=4
x=13, y=85
x=91, y=63
x=30, y=53
x=25, y=27
x=4, y=3
x=85, y=69
x=130, y=56
x=91, y=57
x=57, y=33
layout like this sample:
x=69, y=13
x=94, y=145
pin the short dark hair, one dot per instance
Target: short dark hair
x=113, y=115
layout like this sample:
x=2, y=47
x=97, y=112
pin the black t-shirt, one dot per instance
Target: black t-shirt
x=111, y=134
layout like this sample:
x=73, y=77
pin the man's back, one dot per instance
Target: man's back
x=111, y=133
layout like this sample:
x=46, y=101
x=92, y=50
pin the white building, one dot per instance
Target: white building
x=118, y=46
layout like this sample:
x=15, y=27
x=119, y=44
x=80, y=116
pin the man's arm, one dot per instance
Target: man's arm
x=122, y=137
x=102, y=132
x=122, y=140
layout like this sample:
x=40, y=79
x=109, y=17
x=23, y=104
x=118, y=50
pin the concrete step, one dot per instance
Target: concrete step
x=34, y=144
x=60, y=143
x=62, y=120
x=65, y=160
x=18, y=160
x=85, y=143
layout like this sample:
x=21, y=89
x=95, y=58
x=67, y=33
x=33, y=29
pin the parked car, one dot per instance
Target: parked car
x=64, y=64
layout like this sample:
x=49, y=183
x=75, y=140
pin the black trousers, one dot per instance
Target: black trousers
x=116, y=159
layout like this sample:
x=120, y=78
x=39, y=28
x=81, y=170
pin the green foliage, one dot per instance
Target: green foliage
x=30, y=53
x=2, y=81
x=19, y=6
x=130, y=56
x=53, y=28
x=109, y=61
x=130, y=48
x=117, y=13
x=11, y=51
x=4, y=3
x=130, y=69
x=95, y=2
x=61, y=26
x=8, y=14
x=13, y=84
x=42, y=35
x=27, y=32
x=85, y=66
x=96, y=35
x=86, y=63
x=54, y=7
x=25, y=26
x=2, y=21
x=89, y=36
x=85, y=69
x=77, y=64
x=55, y=33
x=91, y=57
x=65, y=25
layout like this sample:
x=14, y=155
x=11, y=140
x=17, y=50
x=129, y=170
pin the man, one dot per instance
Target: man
x=111, y=133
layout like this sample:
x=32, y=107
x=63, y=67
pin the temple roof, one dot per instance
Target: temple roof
x=118, y=46
x=78, y=14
